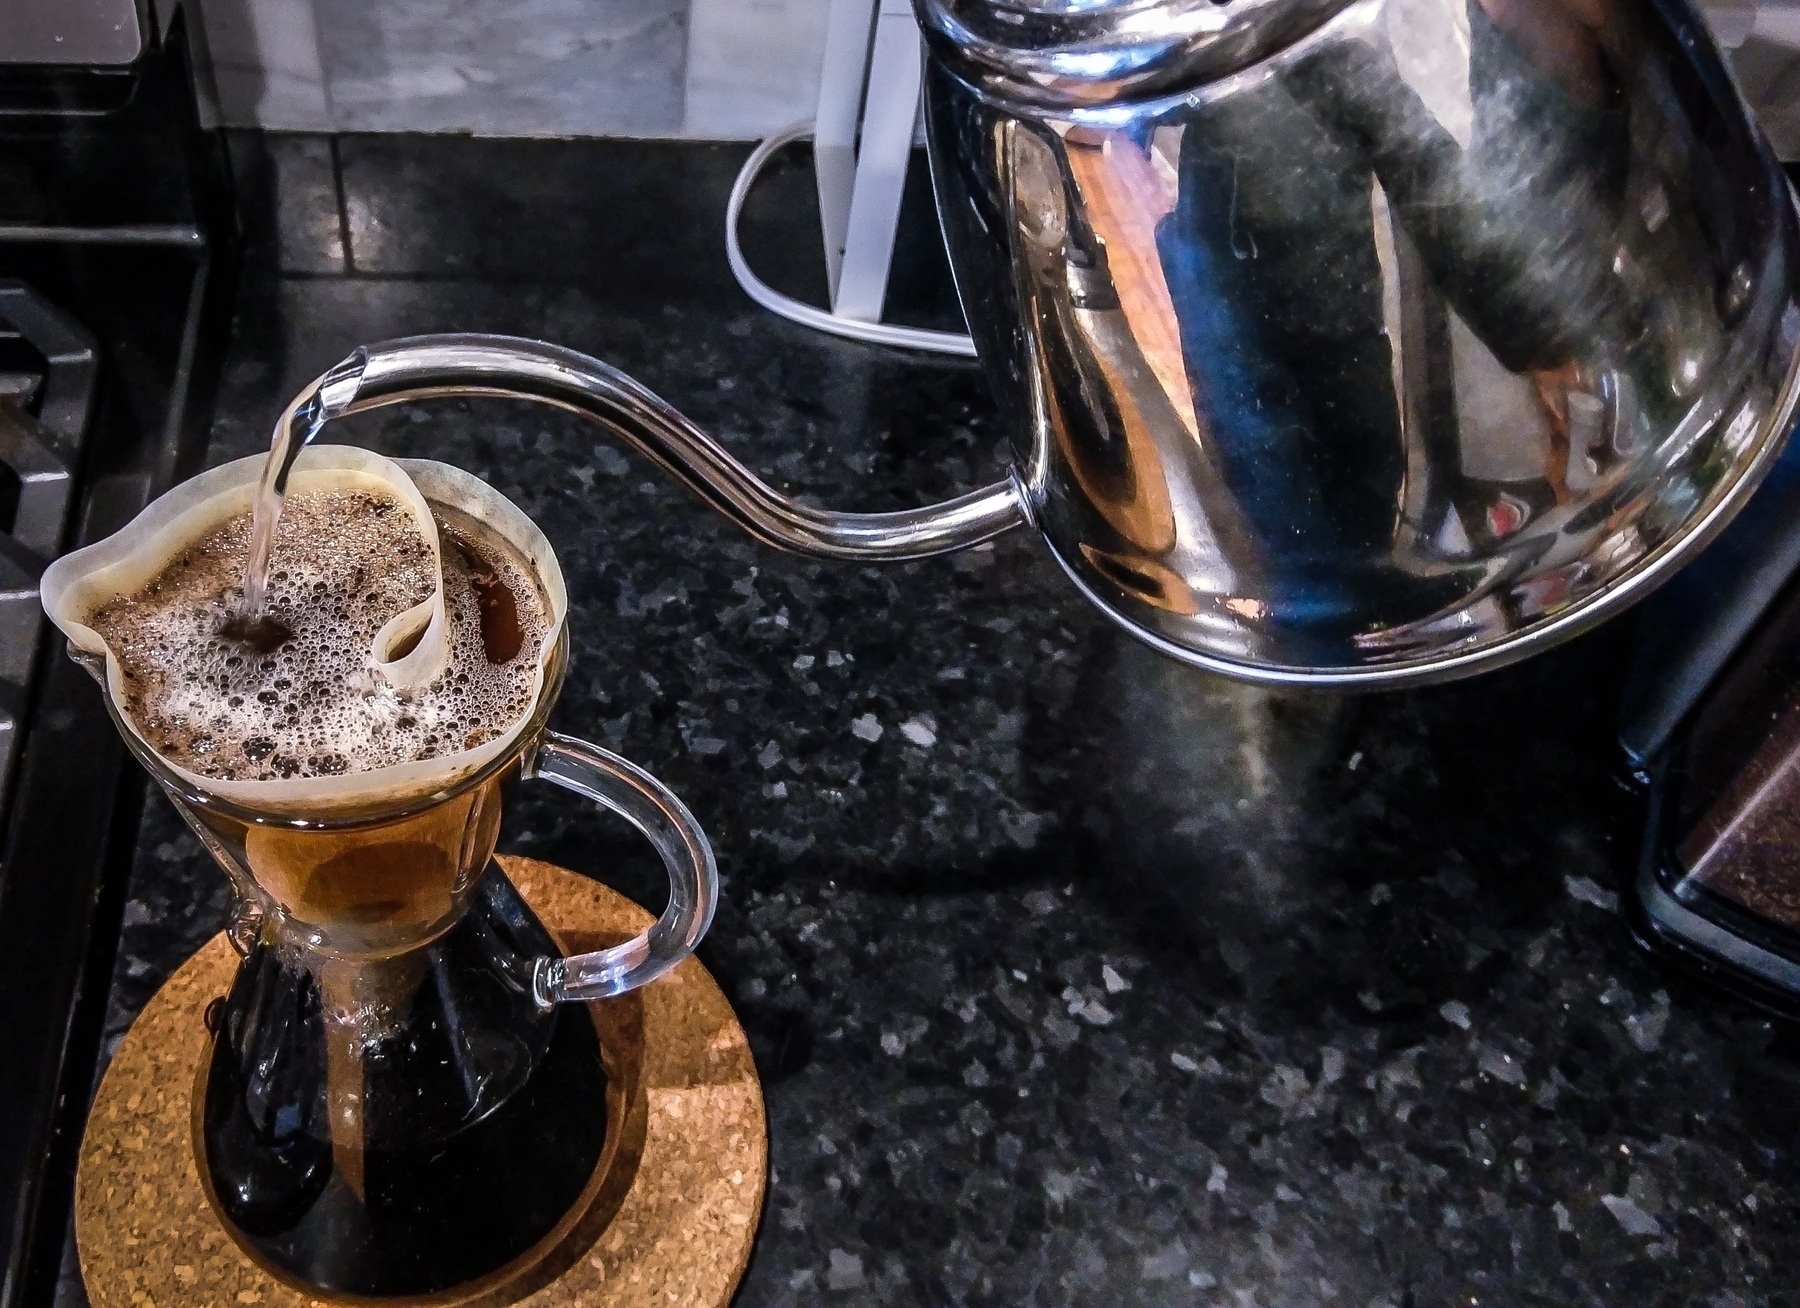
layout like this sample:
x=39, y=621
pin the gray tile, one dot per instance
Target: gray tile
x=287, y=184
x=521, y=68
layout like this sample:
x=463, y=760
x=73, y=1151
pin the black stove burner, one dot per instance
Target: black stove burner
x=116, y=242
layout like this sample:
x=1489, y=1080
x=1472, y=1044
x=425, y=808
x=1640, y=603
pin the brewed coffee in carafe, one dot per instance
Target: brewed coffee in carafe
x=388, y=1108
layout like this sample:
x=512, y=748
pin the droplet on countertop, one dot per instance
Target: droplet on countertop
x=1633, y=1219
x=1060, y=1187
x=1501, y=1065
x=1646, y=1029
x=1093, y=1012
x=1589, y=891
x=845, y=1271
x=921, y=731
x=1331, y=1065
x=1166, y=1263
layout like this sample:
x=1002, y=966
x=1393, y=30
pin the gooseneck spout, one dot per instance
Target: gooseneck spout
x=421, y=367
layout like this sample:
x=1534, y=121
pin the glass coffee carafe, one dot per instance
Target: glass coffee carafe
x=396, y=1103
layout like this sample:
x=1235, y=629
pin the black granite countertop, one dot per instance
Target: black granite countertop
x=1074, y=976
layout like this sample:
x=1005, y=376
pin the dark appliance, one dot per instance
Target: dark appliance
x=116, y=240
x=1711, y=736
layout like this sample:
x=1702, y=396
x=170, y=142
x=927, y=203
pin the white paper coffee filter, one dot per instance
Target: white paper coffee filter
x=78, y=584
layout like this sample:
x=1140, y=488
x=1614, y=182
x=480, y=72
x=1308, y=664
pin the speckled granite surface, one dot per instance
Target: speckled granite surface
x=1075, y=977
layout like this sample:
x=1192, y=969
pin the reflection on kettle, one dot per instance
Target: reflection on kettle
x=1483, y=310
x=1117, y=408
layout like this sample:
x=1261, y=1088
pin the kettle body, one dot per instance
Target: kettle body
x=1367, y=343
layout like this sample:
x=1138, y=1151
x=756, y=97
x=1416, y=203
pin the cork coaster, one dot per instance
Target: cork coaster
x=668, y=1219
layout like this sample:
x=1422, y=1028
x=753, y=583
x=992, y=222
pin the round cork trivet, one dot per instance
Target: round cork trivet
x=668, y=1219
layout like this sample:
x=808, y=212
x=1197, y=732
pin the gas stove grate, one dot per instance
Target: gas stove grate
x=47, y=376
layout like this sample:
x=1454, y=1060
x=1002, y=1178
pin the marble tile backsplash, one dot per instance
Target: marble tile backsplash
x=702, y=69
x=266, y=69
x=752, y=65
x=705, y=69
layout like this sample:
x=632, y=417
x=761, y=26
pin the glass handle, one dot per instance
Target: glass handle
x=626, y=789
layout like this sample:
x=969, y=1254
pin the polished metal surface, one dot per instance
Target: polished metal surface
x=1097, y=53
x=1400, y=349
x=424, y=366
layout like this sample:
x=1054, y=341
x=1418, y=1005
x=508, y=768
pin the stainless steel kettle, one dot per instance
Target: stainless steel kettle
x=1342, y=342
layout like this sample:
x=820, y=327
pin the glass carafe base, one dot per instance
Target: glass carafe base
x=410, y=1127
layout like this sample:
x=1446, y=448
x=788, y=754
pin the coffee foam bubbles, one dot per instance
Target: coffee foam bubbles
x=366, y=716
x=345, y=564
